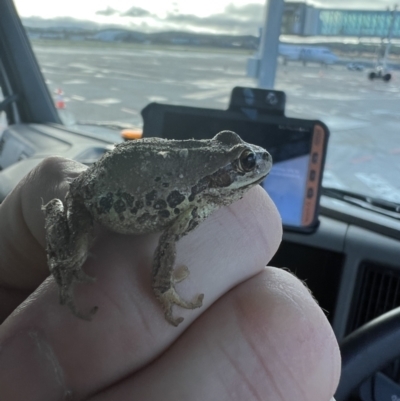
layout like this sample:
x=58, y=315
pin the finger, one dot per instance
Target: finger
x=23, y=263
x=265, y=340
x=129, y=329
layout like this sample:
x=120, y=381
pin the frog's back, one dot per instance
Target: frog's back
x=142, y=186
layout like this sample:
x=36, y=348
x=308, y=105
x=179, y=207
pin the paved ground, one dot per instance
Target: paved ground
x=112, y=83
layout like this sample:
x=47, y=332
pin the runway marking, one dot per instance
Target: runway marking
x=205, y=94
x=74, y=82
x=157, y=99
x=81, y=66
x=130, y=111
x=333, y=96
x=79, y=98
x=105, y=102
x=330, y=180
x=380, y=186
x=208, y=69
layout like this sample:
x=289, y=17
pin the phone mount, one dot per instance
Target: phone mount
x=255, y=102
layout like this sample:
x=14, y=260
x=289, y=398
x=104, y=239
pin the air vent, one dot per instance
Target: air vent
x=319, y=268
x=379, y=292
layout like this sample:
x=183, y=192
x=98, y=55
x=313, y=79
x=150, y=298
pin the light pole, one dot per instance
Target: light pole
x=270, y=43
x=390, y=35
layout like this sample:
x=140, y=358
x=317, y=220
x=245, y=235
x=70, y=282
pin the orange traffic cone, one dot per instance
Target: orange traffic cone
x=60, y=103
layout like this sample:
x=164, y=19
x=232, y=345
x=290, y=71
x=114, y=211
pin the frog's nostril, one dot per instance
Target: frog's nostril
x=266, y=156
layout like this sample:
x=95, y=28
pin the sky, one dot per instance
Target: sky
x=230, y=16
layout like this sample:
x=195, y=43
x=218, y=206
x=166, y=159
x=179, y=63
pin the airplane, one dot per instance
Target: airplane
x=319, y=54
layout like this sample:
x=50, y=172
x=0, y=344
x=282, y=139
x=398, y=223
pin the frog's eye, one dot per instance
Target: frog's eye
x=247, y=161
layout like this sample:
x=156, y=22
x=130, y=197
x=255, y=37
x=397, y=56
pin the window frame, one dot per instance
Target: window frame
x=20, y=73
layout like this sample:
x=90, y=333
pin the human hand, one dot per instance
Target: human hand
x=258, y=335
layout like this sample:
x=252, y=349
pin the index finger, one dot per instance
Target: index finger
x=44, y=344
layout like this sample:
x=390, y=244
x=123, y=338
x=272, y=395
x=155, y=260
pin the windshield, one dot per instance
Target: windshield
x=105, y=61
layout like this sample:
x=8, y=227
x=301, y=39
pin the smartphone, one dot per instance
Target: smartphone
x=295, y=179
x=298, y=149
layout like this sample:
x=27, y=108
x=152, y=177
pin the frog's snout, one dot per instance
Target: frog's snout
x=266, y=157
x=265, y=160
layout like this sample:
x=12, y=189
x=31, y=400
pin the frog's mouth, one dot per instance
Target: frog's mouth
x=260, y=180
x=254, y=183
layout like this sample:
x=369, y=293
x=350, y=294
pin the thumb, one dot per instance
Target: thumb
x=23, y=265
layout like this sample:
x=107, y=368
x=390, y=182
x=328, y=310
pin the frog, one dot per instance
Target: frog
x=144, y=186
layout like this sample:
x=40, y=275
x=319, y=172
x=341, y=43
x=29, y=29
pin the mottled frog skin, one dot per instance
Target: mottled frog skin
x=145, y=186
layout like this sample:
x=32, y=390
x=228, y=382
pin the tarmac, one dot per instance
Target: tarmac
x=111, y=84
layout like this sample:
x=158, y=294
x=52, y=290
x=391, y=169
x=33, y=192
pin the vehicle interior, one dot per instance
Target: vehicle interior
x=350, y=258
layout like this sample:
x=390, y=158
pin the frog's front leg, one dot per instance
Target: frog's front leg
x=68, y=237
x=163, y=266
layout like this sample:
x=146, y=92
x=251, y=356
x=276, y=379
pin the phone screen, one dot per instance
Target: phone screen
x=297, y=148
x=286, y=184
x=294, y=182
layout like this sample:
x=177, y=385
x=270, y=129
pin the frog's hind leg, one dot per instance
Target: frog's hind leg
x=67, y=247
x=164, y=282
x=163, y=269
x=66, y=279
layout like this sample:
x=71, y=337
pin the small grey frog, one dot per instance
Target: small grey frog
x=145, y=186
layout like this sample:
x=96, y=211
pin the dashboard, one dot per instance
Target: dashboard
x=351, y=263
x=23, y=146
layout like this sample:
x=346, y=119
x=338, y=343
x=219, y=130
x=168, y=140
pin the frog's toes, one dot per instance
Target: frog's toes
x=174, y=321
x=82, y=277
x=180, y=273
x=85, y=316
x=199, y=301
x=66, y=280
x=171, y=297
x=67, y=298
x=174, y=298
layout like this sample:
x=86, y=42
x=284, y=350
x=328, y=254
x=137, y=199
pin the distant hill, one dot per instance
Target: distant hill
x=71, y=29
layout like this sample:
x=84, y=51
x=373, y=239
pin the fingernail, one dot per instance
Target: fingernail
x=29, y=370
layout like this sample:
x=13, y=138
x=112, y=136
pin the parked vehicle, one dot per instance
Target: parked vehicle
x=355, y=67
x=380, y=73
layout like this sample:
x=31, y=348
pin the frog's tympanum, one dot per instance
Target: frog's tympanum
x=145, y=186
